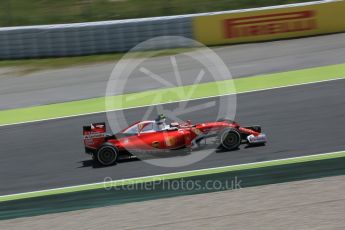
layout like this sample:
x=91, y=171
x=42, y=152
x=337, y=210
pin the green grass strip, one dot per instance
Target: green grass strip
x=201, y=172
x=70, y=11
x=146, y=98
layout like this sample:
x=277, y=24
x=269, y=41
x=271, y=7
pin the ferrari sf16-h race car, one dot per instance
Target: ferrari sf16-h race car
x=148, y=137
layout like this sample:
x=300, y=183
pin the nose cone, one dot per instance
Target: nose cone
x=261, y=138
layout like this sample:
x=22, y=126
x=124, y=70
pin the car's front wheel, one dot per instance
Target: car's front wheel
x=107, y=155
x=230, y=139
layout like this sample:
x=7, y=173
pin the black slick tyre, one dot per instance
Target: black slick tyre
x=230, y=139
x=107, y=154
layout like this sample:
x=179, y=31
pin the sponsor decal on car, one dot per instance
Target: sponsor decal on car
x=93, y=135
x=196, y=131
x=155, y=144
x=261, y=138
x=170, y=141
x=89, y=142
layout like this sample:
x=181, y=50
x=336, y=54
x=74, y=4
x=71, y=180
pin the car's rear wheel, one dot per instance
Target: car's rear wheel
x=107, y=155
x=230, y=139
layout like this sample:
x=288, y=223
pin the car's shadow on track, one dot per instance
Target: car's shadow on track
x=255, y=146
x=220, y=150
x=93, y=164
x=225, y=151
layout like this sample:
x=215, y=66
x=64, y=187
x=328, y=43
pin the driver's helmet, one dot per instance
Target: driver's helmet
x=160, y=119
x=160, y=123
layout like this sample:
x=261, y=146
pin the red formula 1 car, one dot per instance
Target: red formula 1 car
x=152, y=137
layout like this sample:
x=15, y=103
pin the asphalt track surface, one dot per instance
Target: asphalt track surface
x=299, y=120
x=83, y=82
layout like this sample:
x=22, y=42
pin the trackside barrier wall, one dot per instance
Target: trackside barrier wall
x=270, y=23
x=90, y=38
x=228, y=27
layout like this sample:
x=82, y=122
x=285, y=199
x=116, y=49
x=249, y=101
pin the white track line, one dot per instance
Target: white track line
x=141, y=106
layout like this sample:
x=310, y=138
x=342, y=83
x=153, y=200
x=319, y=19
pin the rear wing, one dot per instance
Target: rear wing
x=94, y=135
